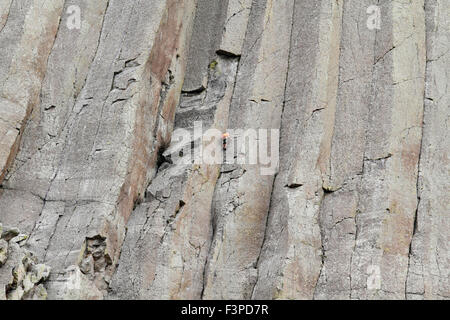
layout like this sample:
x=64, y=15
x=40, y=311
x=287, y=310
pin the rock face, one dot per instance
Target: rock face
x=104, y=110
x=21, y=276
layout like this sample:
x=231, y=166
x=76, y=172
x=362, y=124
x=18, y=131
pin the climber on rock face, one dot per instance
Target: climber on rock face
x=224, y=140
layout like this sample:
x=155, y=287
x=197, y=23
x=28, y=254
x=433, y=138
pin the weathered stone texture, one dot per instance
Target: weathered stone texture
x=95, y=138
x=388, y=198
x=242, y=193
x=24, y=58
x=291, y=258
x=171, y=230
x=428, y=272
x=356, y=208
x=21, y=276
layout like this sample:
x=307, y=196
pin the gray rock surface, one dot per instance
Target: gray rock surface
x=21, y=276
x=428, y=268
x=94, y=205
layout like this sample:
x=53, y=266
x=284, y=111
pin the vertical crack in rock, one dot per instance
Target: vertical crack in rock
x=347, y=153
x=291, y=260
x=5, y=7
x=21, y=276
x=31, y=171
x=104, y=168
x=428, y=273
x=179, y=237
x=105, y=157
x=19, y=89
x=370, y=102
x=242, y=196
x=235, y=27
x=40, y=144
x=210, y=18
x=172, y=227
